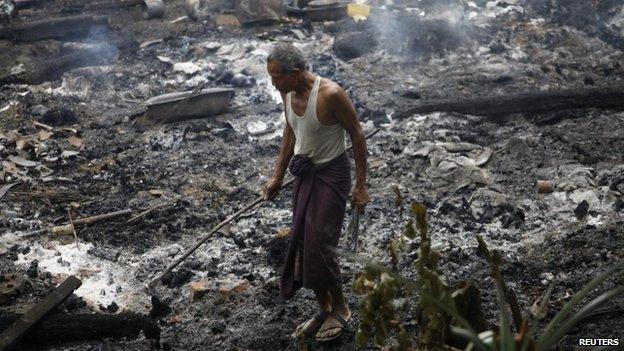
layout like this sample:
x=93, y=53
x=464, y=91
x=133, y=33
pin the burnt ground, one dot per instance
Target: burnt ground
x=200, y=171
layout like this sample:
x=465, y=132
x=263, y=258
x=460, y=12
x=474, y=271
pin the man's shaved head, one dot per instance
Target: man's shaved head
x=288, y=56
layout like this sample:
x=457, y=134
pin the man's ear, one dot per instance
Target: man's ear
x=296, y=72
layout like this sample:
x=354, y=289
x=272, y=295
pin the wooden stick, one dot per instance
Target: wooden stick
x=103, y=217
x=16, y=331
x=188, y=252
x=137, y=217
x=67, y=228
x=71, y=222
x=253, y=204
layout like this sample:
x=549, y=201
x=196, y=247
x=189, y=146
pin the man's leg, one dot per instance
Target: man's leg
x=311, y=326
x=333, y=326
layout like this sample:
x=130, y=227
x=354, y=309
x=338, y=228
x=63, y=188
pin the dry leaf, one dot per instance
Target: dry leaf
x=157, y=192
x=45, y=171
x=22, y=162
x=9, y=167
x=227, y=20
x=68, y=154
x=44, y=135
x=375, y=163
x=76, y=141
x=484, y=157
x=21, y=144
x=283, y=233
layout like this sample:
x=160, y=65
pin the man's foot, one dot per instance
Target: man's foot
x=311, y=326
x=334, y=326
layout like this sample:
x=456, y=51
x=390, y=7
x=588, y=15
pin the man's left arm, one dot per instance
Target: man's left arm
x=344, y=112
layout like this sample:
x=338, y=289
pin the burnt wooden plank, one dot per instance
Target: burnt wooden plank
x=16, y=331
x=55, y=28
x=59, y=328
x=608, y=97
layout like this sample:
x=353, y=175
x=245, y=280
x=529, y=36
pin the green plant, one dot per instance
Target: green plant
x=380, y=315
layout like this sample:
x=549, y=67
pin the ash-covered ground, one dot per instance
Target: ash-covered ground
x=477, y=175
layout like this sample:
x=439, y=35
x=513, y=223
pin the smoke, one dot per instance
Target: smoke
x=102, y=39
x=425, y=28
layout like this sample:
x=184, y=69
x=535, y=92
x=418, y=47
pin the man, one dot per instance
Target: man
x=318, y=116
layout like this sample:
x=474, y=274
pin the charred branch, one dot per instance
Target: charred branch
x=40, y=72
x=56, y=28
x=611, y=97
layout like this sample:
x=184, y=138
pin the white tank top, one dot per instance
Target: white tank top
x=322, y=143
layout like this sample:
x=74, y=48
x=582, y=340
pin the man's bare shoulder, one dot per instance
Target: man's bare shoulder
x=330, y=89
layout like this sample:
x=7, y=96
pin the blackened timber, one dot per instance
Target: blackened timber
x=60, y=327
x=52, y=69
x=56, y=28
x=608, y=97
x=16, y=331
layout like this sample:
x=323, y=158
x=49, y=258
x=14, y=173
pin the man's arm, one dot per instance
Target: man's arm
x=344, y=112
x=283, y=158
x=286, y=152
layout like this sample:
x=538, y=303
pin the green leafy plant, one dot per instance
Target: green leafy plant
x=441, y=322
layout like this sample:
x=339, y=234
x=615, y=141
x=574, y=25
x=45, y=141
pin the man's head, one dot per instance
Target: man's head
x=285, y=65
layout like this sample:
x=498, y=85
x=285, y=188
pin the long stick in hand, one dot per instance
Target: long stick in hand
x=251, y=205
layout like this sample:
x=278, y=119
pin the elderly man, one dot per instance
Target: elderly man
x=319, y=114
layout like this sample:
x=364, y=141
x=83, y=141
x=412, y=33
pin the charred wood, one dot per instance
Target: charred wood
x=42, y=71
x=611, y=97
x=16, y=330
x=56, y=28
x=101, y=5
x=26, y=4
x=67, y=328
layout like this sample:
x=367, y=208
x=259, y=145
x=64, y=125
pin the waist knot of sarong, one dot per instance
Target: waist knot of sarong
x=301, y=166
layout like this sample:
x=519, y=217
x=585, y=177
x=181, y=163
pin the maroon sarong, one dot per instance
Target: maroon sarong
x=319, y=203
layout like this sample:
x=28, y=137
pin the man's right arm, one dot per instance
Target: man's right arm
x=285, y=154
x=283, y=158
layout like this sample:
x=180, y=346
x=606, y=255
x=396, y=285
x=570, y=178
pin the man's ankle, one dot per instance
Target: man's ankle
x=342, y=310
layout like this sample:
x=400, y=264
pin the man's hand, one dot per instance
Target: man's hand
x=271, y=188
x=360, y=197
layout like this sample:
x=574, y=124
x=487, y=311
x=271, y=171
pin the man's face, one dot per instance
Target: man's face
x=284, y=82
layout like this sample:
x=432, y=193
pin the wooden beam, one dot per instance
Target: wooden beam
x=608, y=97
x=60, y=327
x=55, y=28
x=17, y=330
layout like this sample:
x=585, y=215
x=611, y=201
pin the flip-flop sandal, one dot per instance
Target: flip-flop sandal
x=317, y=321
x=344, y=325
